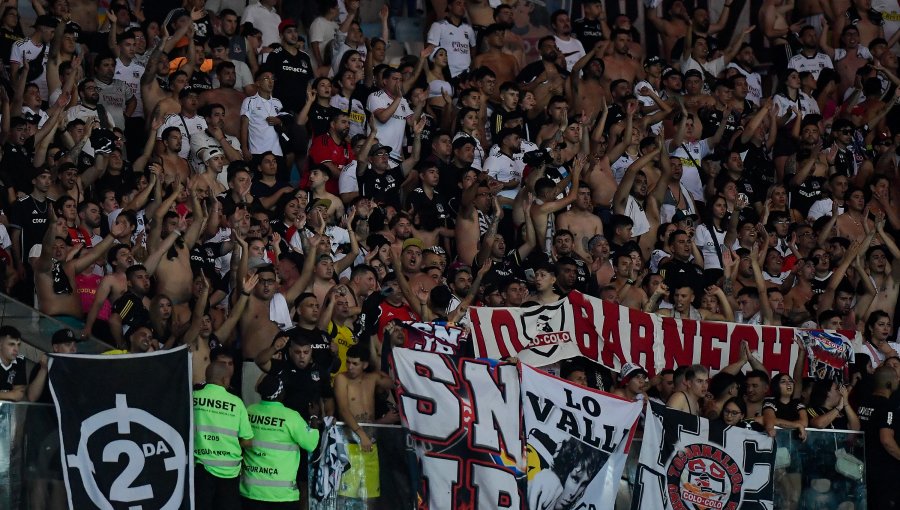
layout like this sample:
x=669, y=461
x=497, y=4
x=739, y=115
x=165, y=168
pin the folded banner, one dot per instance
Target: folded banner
x=687, y=462
x=464, y=418
x=128, y=444
x=436, y=337
x=577, y=441
x=612, y=334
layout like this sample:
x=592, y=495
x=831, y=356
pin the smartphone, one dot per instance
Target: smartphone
x=529, y=275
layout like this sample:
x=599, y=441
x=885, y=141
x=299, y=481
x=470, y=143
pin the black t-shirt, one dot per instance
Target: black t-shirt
x=840, y=423
x=12, y=375
x=866, y=409
x=680, y=274
x=302, y=386
x=15, y=168
x=789, y=412
x=436, y=206
x=712, y=117
x=321, y=347
x=132, y=310
x=806, y=194
x=30, y=216
x=886, y=416
x=588, y=31
x=203, y=257
x=759, y=166
x=318, y=123
x=292, y=73
x=383, y=188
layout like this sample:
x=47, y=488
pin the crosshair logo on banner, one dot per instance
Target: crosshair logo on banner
x=161, y=444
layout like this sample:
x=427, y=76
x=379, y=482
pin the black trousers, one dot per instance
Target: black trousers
x=214, y=493
x=252, y=504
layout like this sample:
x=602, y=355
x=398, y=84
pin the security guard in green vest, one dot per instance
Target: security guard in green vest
x=221, y=430
x=269, y=477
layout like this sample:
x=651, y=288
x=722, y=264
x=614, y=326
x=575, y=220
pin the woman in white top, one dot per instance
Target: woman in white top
x=710, y=238
x=437, y=74
x=469, y=123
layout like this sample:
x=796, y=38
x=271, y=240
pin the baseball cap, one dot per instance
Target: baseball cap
x=630, y=370
x=271, y=386
x=380, y=147
x=693, y=73
x=681, y=215
x=319, y=202
x=655, y=60
x=63, y=336
x=286, y=24
x=462, y=141
x=668, y=73
x=413, y=241
x=211, y=153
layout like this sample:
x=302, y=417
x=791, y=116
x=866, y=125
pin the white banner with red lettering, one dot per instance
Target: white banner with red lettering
x=612, y=334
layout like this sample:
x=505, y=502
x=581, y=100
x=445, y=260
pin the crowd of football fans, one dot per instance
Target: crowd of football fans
x=277, y=185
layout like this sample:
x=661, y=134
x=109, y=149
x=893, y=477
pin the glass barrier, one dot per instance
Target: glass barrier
x=37, y=328
x=825, y=472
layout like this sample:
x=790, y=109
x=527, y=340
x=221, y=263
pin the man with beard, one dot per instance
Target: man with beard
x=744, y=62
x=632, y=194
x=621, y=65
x=174, y=164
x=214, y=137
x=333, y=149
x=188, y=122
x=587, y=83
x=580, y=220
x=571, y=47
x=456, y=35
x=218, y=46
x=592, y=28
x=810, y=58
x=504, y=65
x=554, y=75
x=116, y=97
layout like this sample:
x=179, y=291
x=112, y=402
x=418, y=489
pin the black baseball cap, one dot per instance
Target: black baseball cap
x=64, y=336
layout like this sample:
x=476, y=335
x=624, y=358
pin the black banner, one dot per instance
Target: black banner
x=125, y=426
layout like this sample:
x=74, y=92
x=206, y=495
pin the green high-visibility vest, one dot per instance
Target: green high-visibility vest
x=220, y=421
x=270, y=464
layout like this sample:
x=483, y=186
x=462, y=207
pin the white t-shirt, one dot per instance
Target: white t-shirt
x=340, y=46
x=821, y=208
x=354, y=109
x=202, y=141
x=114, y=96
x=572, y=46
x=84, y=114
x=713, y=67
x=41, y=114
x=321, y=31
x=690, y=177
x=648, y=101
x=189, y=126
x=393, y=131
x=637, y=214
x=704, y=241
x=347, y=182
x=457, y=40
x=261, y=136
x=26, y=50
x=478, y=153
x=503, y=168
x=861, y=51
x=813, y=64
x=890, y=15
x=265, y=19
x=754, y=84
x=131, y=74
x=620, y=166
x=806, y=104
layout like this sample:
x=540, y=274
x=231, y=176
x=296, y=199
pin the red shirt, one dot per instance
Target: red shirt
x=324, y=149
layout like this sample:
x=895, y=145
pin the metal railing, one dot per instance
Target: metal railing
x=815, y=474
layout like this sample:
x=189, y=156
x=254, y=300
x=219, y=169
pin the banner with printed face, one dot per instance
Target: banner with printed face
x=436, y=337
x=689, y=463
x=577, y=442
x=464, y=419
x=127, y=444
x=612, y=334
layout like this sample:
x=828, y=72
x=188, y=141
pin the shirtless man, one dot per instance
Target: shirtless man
x=113, y=285
x=355, y=391
x=268, y=312
x=589, y=85
x=621, y=65
x=849, y=59
x=175, y=168
x=672, y=29
x=867, y=30
x=773, y=20
x=169, y=104
x=850, y=224
x=580, y=220
x=801, y=293
x=513, y=44
x=628, y=291
x=57, y=266
x=887, y=283
x=318, y=177
x=226, y=96
x=545, y=206
x=476, y=203
x=504, y=65
x=175, y=276
x=696, y=380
